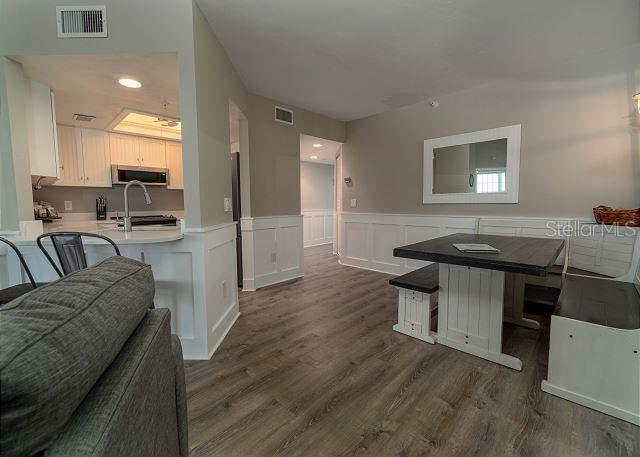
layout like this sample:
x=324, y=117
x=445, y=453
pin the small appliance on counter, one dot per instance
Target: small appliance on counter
x=45, y=212
x=101, y=208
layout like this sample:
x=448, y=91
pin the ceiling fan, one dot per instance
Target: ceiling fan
x=164, y=122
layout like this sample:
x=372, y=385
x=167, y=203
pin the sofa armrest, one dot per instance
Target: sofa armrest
x=181, y=397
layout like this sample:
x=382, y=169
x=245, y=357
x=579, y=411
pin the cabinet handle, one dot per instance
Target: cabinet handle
x=61, y=167
x=81, y=178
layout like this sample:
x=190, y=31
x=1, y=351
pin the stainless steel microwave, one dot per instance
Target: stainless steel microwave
x=122, y=174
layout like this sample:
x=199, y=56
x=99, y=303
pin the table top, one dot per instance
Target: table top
x=518, y=254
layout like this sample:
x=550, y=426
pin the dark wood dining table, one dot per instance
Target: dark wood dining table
x=471, y=291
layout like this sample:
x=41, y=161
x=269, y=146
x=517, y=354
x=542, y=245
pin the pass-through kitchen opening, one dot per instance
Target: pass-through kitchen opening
x=107, y=137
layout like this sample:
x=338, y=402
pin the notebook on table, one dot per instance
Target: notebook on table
x=477, y=248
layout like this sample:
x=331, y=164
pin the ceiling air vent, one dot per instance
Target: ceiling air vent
x=284, y=115
x=83, y=117
x=81, y=21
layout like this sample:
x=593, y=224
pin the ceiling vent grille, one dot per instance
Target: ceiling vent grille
x=82, y=21
x=284, y=115
x=83, y=117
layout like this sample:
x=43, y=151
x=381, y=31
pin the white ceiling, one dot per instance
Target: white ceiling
x=325, y=154
x=88, y=84
x=353, y=58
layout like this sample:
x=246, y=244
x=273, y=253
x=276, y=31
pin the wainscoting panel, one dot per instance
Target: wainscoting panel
x=277, y=250
x=367, y=239
x=317, y=226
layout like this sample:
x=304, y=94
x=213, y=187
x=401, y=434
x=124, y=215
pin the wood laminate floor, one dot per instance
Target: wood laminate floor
x=313, y=368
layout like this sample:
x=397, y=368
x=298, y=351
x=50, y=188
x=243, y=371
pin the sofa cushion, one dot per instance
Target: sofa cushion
x=55, y=343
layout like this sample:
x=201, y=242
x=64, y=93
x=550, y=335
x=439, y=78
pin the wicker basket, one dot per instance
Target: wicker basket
x=617, y=216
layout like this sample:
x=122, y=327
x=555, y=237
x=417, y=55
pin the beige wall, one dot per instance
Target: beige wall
x=216, y=83
x=15, y=195
x=275, y=154
x=84, y=198
x=579, y=143
x=316, y=186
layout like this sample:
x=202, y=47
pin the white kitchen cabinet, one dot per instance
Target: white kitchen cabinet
x=84, y=157
x=125, y=149
x=71, y=167
x=97, y=159
x=152, y=153
x=174, y=164
x=41, y=129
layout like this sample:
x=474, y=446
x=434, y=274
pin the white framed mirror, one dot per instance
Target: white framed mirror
x=476, y=167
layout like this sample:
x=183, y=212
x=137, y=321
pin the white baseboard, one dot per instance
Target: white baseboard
x=591, y=403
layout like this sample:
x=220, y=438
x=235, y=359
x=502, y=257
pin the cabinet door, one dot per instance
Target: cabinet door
x=125, y=149
x=97, y=160
x=174, y=164
x=41, y=129
x=71, y=168
x=152, y=153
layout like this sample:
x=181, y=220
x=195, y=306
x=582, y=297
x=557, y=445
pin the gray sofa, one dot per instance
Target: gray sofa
x=86, y=369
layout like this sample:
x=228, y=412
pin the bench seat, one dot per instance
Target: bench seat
x=594, y=344
x=556, y=270
x=421, y=280
x=604, y=302
x=417, y=298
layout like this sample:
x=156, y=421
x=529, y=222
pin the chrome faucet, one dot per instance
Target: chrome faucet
x=128, y=227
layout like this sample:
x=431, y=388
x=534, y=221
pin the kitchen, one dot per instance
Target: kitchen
x=92, y=129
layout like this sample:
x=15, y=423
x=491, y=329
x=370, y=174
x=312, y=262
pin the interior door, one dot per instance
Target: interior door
x=71, y=165
x=153, y=153
x=124, y=149
x=174, y=164
x=97, y=160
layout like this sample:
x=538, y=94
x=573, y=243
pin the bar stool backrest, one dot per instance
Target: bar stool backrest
x=70, y=250
x=21, y=259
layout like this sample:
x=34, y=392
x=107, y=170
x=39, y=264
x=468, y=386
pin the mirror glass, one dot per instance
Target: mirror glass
x=472, y=168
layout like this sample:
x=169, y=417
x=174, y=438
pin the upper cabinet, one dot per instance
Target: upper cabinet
x=71, y=168
x=41, y=129
x=125, y=149
x=174, y=164
x=97, y=158
x=152, y=153
x=137, y=151
x=84, y=157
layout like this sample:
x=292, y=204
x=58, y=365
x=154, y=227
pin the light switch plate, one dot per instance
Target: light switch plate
x=228, y=204
x=353, y=203
x=68, y=205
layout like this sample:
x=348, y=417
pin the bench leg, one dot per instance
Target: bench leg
x=414, y=314
x=514, y=302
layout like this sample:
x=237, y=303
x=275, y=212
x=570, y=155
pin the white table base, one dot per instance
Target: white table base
x=470, y=312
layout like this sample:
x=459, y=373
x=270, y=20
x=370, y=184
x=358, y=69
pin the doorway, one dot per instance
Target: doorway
x=318, y=189
x=239, y=149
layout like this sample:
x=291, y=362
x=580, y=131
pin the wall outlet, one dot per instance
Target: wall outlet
x=273, y=257
x=68, y=205
x=353, y=203
x=228, y=204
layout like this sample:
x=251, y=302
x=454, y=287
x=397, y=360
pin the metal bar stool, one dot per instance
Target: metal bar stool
x=70, y=250
x=13, y=292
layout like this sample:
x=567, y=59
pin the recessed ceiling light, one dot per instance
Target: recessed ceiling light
x=313, y=157
x=317, y=145
x=132, y=83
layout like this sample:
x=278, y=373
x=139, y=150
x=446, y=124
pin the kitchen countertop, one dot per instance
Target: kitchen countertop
x=140, y=234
